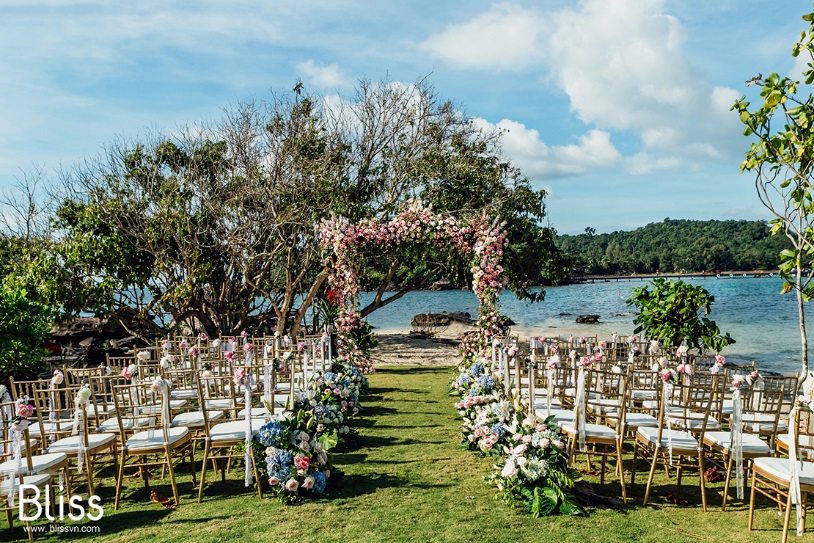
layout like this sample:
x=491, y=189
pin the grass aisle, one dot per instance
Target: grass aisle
x=410, y=482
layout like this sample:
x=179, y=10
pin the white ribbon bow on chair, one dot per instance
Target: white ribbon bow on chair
x=247, y=402
x=579, y=408
x=794, y=476
x=80, y=402
x=736, y=438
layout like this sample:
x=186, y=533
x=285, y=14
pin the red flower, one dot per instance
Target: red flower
x=331, y=295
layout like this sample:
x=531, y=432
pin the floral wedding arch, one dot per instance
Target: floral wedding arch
x=482, y=238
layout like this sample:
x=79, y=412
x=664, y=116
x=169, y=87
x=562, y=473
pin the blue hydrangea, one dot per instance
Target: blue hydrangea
x=320, y=482
x=319, y=411
x=473, y=393
x=329, y=376
x=271, y=434
x=499, y=429
x=476, y=369
x=486, y=382
x=278, y=464
x=464, y=379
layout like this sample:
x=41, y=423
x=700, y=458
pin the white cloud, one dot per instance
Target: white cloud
x=538, y=160
x=322, y=76
x=623, y=68
x=506, y=37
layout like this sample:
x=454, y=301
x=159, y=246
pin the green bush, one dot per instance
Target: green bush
x=670, y=313
x=24, y=325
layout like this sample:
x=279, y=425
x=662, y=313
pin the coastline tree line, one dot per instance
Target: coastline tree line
x=676, y=245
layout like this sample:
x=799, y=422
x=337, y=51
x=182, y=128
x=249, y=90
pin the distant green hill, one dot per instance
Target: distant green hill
x=676, y=245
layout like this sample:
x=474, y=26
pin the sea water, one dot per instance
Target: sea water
x=763, y=322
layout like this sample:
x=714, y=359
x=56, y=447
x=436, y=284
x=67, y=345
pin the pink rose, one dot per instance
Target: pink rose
x=308, y=483
x=25, y=410
x=301, y=462
x=292, y=485
x=240, y=376
x=274, y=481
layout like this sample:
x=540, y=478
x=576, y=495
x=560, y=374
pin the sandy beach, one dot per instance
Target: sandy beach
x=397, y=347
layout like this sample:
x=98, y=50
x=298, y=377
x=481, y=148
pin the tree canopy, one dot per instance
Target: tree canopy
x=674, y=245
x=214, y=225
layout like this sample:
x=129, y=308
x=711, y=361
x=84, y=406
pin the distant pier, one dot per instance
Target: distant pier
x=754, y=274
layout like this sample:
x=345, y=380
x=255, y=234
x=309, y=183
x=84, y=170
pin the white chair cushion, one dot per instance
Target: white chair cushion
x=695, y=421
x=605, y=406
x=184, y=394
x=540, y=403
x=728, y=406
x=65, y=426
x=91, y=409
x=223, y=403
x=259, y=412
x=682, y=441
x=69, y=444
x=234, y=430
x=194, y=419
x=643, y=394
x=752, y=444
x=635, y=420
x=40, y=463
x=155, y=409
x=763, y=422
x=591, y=430
x=112, y=425
x=780, y=469
x=143, y=441
x=34, y=480
x=806, y=442
x=559, y=415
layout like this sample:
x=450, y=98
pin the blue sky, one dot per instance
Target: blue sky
x=618, y=108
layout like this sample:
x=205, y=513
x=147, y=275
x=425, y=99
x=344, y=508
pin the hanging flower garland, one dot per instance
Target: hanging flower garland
x=481, y=237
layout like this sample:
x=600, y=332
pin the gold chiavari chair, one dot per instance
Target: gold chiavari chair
x=161, y=445
x=89, y=449
x=679, y=407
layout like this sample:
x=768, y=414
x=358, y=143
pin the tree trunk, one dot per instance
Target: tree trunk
x=801, y=313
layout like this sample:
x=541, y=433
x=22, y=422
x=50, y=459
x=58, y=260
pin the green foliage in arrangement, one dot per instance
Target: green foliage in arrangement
x=673, y=312
x=24, y=325
x=781, y=156
x=675, y=245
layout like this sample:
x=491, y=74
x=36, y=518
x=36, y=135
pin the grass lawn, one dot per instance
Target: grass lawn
x=411, y=482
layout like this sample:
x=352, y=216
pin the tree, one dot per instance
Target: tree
x=782, y=158
x=24, y=325
x=674, y=312
x=214, y=225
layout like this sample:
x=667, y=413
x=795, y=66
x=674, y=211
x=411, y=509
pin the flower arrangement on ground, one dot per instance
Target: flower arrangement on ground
x=293, y=451
x=534, y=474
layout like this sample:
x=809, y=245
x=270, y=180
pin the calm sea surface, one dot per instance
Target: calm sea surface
x=762, y=321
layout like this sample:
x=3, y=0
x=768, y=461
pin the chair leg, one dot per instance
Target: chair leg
x=726, y=482
x=786, y=519
x=192, y=464
x=703, y=480
x=203, y=471
x=650, y=477
x=257, y=480
x=633, y=464
x=620, y=469
x=752, y=499
x=168, y=460
x=89, y=471
x=119, y=477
